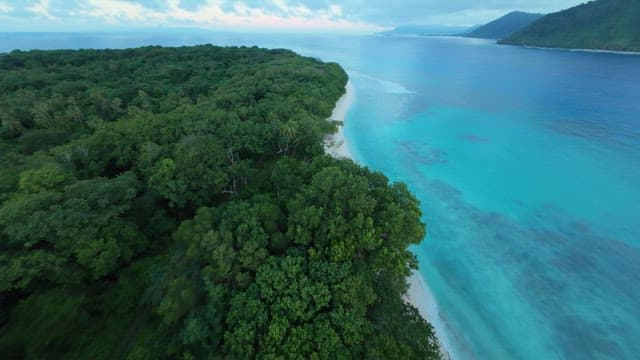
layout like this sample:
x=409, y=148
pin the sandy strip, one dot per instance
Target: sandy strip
x=618, y=52
x=335, y=145
x=418, y=294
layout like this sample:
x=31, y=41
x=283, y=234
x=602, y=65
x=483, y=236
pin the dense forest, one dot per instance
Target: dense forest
x=503, y=26
x=600, y=25
x=177, y=203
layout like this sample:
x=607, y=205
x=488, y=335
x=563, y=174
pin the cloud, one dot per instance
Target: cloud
x=41, y=9
x=5, y=8
x=324, y=15
x=114, y=11
x=273, y=14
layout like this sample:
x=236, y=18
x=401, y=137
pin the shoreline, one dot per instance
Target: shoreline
x=335, y=144
x=419, y=295
x=597, y=51
x=579, y=50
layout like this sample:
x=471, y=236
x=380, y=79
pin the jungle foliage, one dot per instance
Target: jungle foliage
x=177, y=203
x=598, y=25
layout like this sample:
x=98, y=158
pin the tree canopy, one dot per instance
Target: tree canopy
x=599, y=25
x=177, y=203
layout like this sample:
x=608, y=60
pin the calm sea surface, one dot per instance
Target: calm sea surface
x=527, y=164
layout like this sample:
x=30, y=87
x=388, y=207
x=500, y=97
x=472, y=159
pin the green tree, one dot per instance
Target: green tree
x=177, y=203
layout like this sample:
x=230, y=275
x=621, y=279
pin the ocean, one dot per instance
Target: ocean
x=527, y=166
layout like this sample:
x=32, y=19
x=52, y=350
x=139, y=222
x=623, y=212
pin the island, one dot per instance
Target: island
x=597, y=25
x=178, y=203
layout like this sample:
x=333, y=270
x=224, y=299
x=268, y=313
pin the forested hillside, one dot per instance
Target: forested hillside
x=600, y=24
x=504, y=26
x=176, y=203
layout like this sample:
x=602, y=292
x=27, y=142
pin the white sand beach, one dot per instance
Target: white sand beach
x=418, y=294
x=636, y=53
x=335, y=145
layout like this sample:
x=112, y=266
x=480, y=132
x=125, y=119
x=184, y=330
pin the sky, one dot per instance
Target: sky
x=258, y=15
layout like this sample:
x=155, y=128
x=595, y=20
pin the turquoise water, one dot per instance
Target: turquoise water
x=527, y=164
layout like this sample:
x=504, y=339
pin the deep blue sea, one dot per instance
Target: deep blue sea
x=527, y=164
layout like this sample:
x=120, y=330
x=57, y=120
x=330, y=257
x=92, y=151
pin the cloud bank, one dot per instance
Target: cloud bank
x=277, y=15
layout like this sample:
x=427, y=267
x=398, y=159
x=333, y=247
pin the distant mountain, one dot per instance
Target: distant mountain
x=427, y=30
x=504, y=26
x=600, y=24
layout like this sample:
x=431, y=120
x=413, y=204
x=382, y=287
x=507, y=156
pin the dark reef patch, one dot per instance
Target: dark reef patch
x=475, y=138
x=428, y=156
